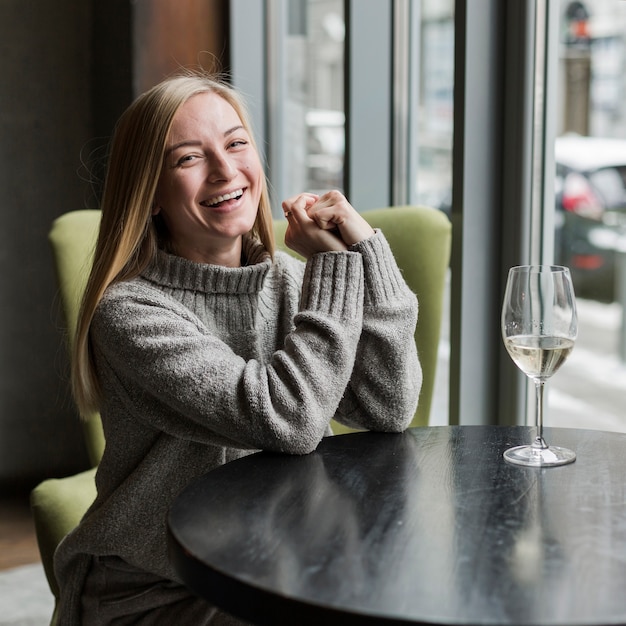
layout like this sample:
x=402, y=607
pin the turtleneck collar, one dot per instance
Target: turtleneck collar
x=176, y=272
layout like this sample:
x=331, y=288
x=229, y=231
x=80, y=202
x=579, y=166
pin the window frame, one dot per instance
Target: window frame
x=504, y=102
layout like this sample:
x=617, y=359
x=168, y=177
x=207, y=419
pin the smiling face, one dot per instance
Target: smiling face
x=210, y=186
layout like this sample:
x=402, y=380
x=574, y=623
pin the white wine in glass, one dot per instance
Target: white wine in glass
x=539, y=328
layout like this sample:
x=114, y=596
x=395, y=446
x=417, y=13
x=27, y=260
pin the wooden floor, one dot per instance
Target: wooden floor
x=18, y=543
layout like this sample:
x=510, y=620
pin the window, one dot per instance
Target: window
x=314, y=103
x=447, y=97
x=590, y=208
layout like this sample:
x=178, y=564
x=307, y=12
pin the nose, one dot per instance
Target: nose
x=220, y=167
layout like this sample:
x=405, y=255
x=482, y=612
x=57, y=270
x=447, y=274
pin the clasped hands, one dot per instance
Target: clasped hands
x=323, y=223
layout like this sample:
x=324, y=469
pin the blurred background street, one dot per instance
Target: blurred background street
x=588, y=391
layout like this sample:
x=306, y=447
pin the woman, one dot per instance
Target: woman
x=199, y=344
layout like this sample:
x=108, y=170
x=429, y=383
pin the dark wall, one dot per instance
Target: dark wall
x=45, y=121
x=67, y=68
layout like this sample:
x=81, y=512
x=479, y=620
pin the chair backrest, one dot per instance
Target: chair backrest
x=73, y=239
x=420, y=238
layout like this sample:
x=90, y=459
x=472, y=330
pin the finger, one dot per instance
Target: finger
x=331, y=210
x=299, y=203
x=334, y=213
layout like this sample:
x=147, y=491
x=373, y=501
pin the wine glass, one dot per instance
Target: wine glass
x=539, y=328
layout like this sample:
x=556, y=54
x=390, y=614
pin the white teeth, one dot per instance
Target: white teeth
x=227, y=196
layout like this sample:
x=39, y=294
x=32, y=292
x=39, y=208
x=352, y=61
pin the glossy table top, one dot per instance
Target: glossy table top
x=430, y=526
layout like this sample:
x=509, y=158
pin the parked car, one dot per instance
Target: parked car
x=590, y=193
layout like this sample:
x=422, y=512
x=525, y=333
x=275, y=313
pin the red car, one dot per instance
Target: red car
x=590, y=191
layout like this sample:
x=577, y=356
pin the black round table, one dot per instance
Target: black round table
x=430, y=526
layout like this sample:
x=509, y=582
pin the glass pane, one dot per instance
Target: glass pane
x=314, y=109
x=590, y=211
x=435, y=115
x=434, y=175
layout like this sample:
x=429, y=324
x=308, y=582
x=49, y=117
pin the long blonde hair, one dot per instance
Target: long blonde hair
x=128, y=238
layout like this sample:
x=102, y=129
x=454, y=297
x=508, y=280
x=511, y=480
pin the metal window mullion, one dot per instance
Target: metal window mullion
x=517, y=227
x=541, y=242
x=276, y=19
x=528, y=179
x=247, y=56
x=546, y=26
x=406, y=22
x=368, y=103
x=541, y=211
x=476, y=211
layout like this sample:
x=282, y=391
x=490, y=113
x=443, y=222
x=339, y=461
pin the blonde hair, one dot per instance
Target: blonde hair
x=128, y=237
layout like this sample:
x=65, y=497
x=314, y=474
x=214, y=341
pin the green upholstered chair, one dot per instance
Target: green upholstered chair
x=420, y=238
x=73, y=239
x=58, y=504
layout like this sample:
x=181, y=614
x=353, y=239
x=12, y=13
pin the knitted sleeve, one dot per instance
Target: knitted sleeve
x=159, y=365
x=387, y=377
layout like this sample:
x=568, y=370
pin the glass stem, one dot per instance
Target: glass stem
x=539, y=440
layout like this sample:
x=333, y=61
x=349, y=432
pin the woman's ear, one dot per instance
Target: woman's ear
x=156, y=209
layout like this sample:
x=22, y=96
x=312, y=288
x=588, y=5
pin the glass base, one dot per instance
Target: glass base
x=537, y=456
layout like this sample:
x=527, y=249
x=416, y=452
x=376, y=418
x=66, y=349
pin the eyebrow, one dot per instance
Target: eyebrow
x=195, y=142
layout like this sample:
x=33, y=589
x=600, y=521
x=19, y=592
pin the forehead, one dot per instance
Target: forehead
x=204, y=112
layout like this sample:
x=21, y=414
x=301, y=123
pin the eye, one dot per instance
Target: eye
x=188, y=159
x=238, y=143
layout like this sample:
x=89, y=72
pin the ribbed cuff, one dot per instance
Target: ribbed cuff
x=333, y=284
x=382, y=277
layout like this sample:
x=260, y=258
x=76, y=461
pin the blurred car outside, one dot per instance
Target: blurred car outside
x=590, y=219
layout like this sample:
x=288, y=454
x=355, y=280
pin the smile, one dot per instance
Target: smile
x=233, y=195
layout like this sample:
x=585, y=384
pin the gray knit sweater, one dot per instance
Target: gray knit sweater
x=202, y=364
